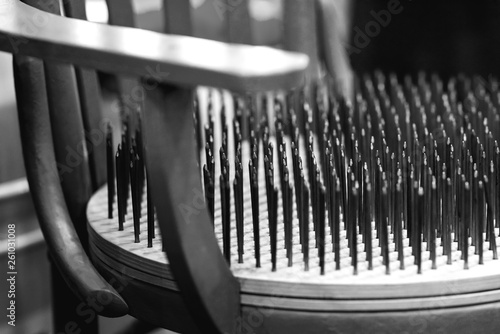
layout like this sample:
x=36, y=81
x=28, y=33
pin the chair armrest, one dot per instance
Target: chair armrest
x=179, y=60
x=38, y=150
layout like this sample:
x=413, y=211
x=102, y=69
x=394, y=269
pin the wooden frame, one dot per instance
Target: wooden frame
x=171, y=60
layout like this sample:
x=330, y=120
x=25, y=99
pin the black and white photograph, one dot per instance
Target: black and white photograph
x=249, y=166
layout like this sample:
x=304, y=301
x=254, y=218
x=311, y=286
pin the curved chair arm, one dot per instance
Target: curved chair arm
x=62, y=240
x=179, y=60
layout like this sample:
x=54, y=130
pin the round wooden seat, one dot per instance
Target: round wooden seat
x=336, y=298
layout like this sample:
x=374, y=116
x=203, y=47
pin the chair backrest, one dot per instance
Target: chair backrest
x=177, y=20
x=88, y=89
x=52, y=108
x=85, y=87
x=300, y=31
x=176, y=14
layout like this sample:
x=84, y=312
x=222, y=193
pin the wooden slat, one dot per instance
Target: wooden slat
x=174, y=59
x=300, y=31
x=68, y=135
x=90, y=101
x=69, y=141
x=59, y=205
x=121, y=13
x=178, y=18
x=239, y=26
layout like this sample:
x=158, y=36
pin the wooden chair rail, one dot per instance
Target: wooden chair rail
x=65, y=246
x=179, y=60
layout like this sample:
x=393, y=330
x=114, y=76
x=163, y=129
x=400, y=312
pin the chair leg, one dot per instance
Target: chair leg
x=70, y=314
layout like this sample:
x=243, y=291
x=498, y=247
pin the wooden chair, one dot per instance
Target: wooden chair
x=196, y=291
x=55, y=59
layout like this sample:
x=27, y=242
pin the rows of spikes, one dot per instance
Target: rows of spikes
x=128, y=182
x=412, y=158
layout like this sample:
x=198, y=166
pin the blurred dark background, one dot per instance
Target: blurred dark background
x=442, y=36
